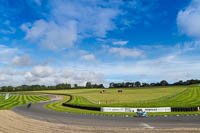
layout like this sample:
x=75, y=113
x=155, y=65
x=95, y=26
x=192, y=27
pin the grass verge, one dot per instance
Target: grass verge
x=57, y=106
x=17, y=100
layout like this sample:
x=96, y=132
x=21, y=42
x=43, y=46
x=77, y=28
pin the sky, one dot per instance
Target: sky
x=48, y=42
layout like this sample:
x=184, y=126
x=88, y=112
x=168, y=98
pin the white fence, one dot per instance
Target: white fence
x=115, y=109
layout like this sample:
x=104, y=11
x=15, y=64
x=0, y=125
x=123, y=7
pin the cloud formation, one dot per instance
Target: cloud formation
x=51, y=35
x=70, y=21
x=122, y=43
x=93, y=17
x=7, y=53
x=22, y=61
x=51, y=76
x=89, y=57
x=188, y=20
x=126, y=52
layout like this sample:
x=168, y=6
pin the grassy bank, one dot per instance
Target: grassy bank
x=16, y=100
x=185, y=97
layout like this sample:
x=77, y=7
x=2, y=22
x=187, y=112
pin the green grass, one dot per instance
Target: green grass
x=172, y=96
x=188, y=97
x=57, y=106
x=16, y=100
x=111, y=96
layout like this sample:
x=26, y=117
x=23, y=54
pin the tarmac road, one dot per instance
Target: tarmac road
x=37, y=111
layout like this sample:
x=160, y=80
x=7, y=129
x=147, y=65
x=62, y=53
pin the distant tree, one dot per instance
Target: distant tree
x=88, y=85
x=163, y=83
x=101, y=86
x=63, y=86
x=180, y=82
x=129, y=85
x=145, y=84
x=152, y=84
x=75, y=86
x=137, y=84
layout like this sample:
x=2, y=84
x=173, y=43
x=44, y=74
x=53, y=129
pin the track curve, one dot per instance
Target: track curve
x=37, y=111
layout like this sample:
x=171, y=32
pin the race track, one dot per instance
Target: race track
x=37, y=111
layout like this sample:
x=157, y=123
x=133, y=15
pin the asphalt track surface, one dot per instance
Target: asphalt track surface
x=37, y=111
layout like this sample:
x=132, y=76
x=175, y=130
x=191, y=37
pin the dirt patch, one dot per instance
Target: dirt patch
x=11, y=122
x=55, y=97
x=52, y=97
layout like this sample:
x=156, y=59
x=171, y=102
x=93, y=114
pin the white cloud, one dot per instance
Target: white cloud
x=188, y=20
x=122, y=43
x=70, y=21
x=187, y=46
x=21, y=61
x=171, y=68
x=93, y=17
x=81, y=77
x=88, y=57
x=174, y=65
x=50, y=76
x=51, y=35
x=7, y=53
x=126, y=52
x=42, y=71
x=46, y=75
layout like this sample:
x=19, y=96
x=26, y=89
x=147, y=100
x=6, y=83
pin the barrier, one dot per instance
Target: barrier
x=82, y=107
x=180, y=109
x=118, y=109
x=108, y=109
x=115, y=109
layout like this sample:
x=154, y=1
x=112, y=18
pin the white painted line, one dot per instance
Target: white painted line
x=145, y=125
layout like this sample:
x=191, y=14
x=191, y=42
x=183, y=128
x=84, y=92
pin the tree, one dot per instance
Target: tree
x=164, y=83
x=88, y=85
x=63, y=86
x=178, y=83
x=137, y=84
x=145, y=84
x=100, y=86
x=75, y=86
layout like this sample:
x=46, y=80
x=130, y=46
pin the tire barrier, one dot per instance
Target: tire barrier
x=181, y=109
x=82, y=107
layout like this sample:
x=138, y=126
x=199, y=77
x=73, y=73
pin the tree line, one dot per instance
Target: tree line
x=43, y=87
x=143, y=84
x=90, y=85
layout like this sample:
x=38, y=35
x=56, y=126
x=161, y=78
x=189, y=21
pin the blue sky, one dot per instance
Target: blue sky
x=102, y=41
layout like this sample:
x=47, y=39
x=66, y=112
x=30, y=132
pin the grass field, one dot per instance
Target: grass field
x=111, y=96
x=57, y=106
x=181, y=96
x=172, y=96
x=16, y=100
